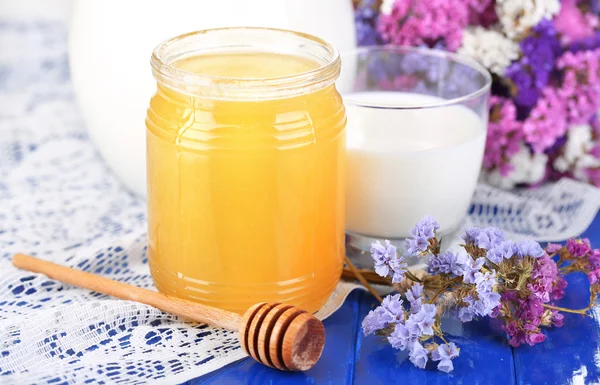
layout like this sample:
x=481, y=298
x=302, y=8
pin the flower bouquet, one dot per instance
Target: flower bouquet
x=514, y=283
x=544, y=56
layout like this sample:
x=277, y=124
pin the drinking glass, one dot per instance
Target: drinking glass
x=416, y=135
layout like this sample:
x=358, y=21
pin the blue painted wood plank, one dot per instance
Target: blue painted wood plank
x=570, y=354
x=485, y=357
x=335, y=366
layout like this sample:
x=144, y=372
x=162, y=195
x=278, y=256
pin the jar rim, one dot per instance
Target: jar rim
x=245, y=39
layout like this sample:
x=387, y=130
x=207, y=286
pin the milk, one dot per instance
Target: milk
x=405, y=164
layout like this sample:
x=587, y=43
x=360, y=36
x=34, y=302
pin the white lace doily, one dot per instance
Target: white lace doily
x=58, y=201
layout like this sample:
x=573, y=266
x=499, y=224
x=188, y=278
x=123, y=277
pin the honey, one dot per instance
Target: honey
x=246, y=177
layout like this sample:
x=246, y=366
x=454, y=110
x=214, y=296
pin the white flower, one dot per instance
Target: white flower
x=528, y=168
x=518, y=16
x=386, y=7
x=491, y=48
x=576, y=156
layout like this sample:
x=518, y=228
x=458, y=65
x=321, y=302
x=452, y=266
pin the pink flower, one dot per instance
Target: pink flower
x=416, y=22
x=482, y=12
x=593, y=175
x=557, y=318
x=516, y=334
x=558, y=290
x=535, y=338
x=580, y=89
x=594, y=276
x=547, y=121
x=594, y=258
x=581, y=100
x=572, y=24
x=552, y=248
x=504, y=135
x=579, y=249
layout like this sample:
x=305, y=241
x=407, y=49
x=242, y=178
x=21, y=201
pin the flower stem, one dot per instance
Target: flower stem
x=362, y=280
x=412, y=277
x=442, y=289
x=369, y=275
x=566, y=310
x=441, y=336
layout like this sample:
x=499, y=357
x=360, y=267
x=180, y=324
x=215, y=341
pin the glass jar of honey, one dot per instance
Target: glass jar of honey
x=246, y=168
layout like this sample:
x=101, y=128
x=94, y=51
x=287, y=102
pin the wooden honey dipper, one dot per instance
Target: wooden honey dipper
x=278, y=335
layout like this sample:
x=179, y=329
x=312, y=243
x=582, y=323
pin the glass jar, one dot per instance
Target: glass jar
x=246, y=168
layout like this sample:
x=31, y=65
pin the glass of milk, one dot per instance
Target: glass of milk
x=416, y=134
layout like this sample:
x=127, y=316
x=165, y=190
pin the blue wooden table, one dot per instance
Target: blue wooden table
x=570, y=355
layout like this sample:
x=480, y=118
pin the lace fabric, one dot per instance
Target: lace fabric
x=59, y=201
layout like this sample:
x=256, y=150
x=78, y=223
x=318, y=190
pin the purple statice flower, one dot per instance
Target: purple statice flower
x=414, y=293
x=365, y=20
x=579, y=248
x=421, y=322
x=401, y=338
x=448, y=263
x=393, y=305
x=414, y=297
x=426, y=228
x=532, y=72
x=529, y=249
x=471, y=234
x=415, y=22
x=399, y=267
x=377, y=319
x=418, y=324
x=547, y=120
x=418, y=355
x=503, y=250
x=445, y=353
x=526, y=94
x=466, y=314
x=421, y=234
x=595, y=6
x=387, y=261
x=504, y=135
x=572, y=23
x=587, y=43
x=489, y=238
x=389, y=312
x=486, y=300
x=383, y=255
x=471, y=270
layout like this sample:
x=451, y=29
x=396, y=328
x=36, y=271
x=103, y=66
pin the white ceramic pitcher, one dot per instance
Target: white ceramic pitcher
x=110, y=45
